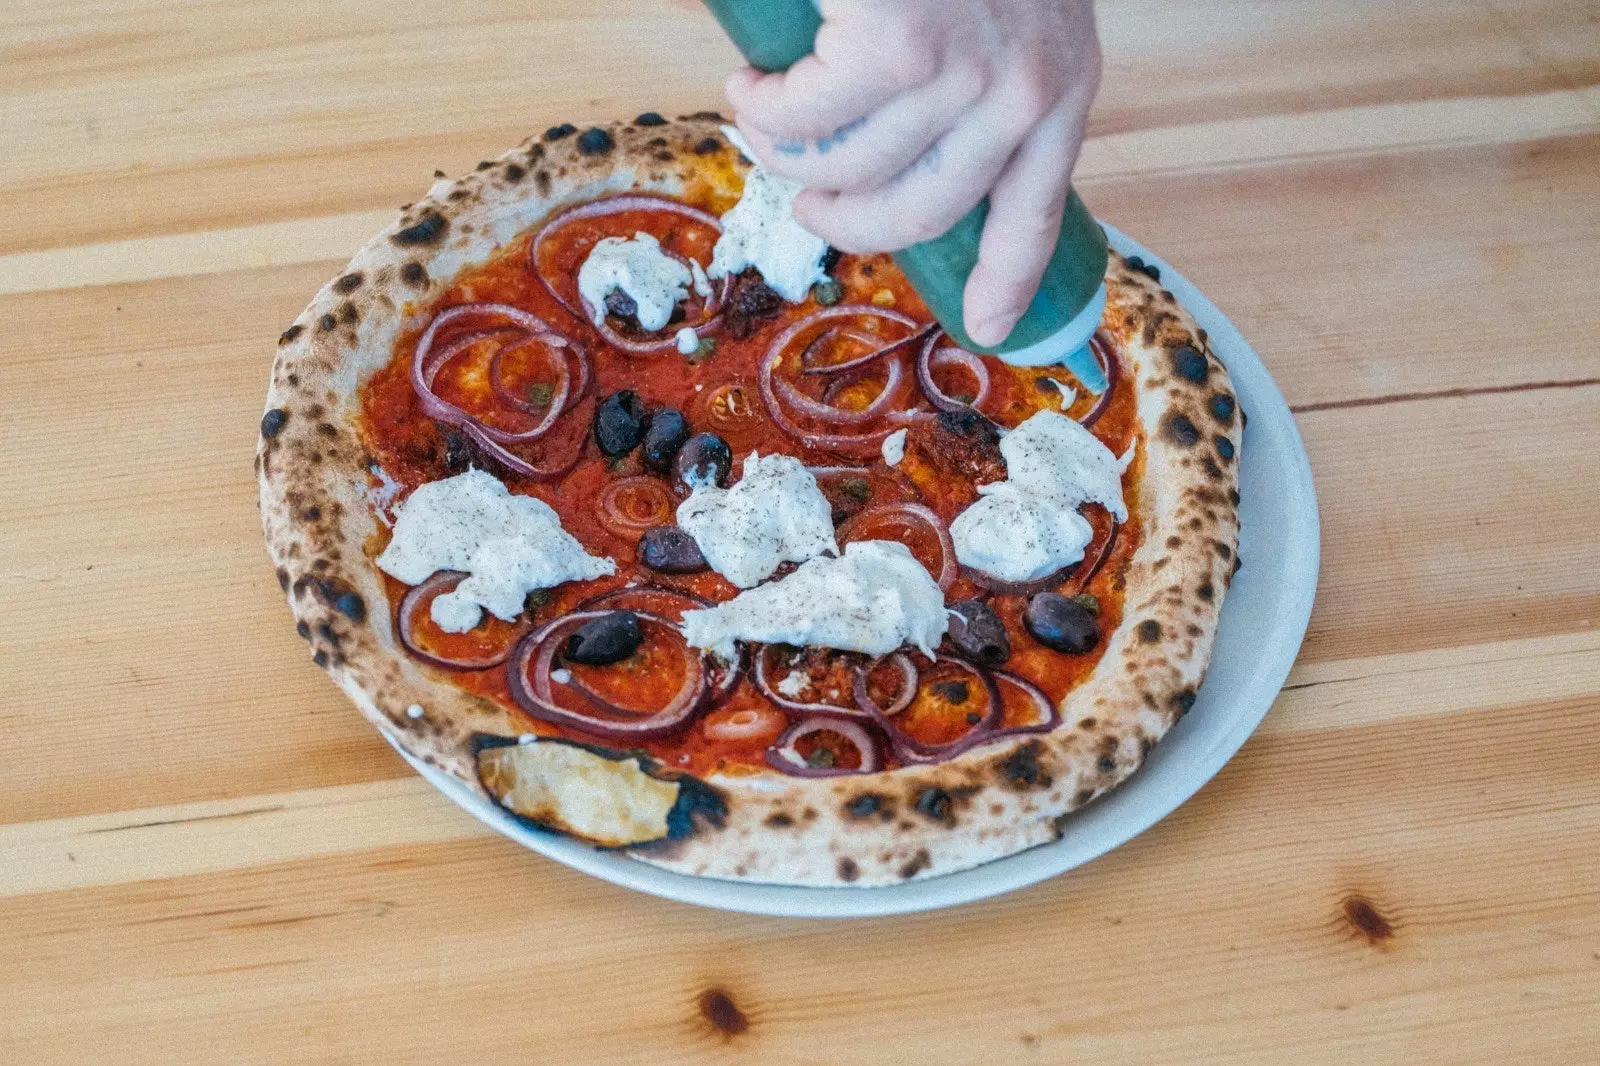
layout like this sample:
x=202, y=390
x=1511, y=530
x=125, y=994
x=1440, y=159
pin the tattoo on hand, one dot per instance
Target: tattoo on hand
x=823, y=145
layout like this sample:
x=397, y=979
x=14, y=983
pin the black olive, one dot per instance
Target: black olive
x=670, y=550
x=704, y=459
x=668, y=430
x=619, y=423
x=1061, y=623
x=977, y=633
x=621, y=304
x=608, y=639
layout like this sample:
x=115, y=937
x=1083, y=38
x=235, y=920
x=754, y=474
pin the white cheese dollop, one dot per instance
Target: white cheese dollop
x=774, y=514
x=760, y=231
x=651, y=278
x=894, y=447
x=1028, y=525
x=874, y=598
x=509, y=546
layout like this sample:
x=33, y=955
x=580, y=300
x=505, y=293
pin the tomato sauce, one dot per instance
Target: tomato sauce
x=718, y=390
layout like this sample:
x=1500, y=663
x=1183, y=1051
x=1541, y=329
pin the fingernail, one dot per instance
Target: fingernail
x=990, y=331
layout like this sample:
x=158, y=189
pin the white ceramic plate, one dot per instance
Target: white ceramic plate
x=1263, y=620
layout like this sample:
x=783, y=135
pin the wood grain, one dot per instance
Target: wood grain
x=206, y=855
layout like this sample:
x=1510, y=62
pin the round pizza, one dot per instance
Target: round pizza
x=600, y=484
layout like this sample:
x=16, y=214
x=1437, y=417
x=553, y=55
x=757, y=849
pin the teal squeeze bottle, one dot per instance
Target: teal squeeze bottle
x=773, y=35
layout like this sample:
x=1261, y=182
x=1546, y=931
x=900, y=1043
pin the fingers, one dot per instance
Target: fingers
x=1019, y=235
x=931, y=195
x=875, y=148
x=850, y=73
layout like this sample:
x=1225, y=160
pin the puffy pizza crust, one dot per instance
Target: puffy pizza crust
x=997, y=799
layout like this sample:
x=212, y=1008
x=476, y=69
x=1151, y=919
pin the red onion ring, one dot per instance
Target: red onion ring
x=537, y=701
x=1086, y=576
x=1107, y=358
x=861, y=360
x=758, y=677
x=783, y=756
x=915, y=512
x=630, y=527
x=670, y=604
x=566, y=394
x=825, y=412
x=1049, y=713
x=986, y=580
x=712, y=315
x=910, y=678
x=412, y=602
x=910, y=751
x=927, y=360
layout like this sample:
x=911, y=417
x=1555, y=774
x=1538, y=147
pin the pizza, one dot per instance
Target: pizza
x=599, y=484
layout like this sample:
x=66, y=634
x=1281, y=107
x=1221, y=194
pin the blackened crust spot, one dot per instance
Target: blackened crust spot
x=352, y=606
x=327, y=323
x=848, y=870
x=1189, y=363
x=1149, y=631
x=348, y=284
x=515, y=173
x=273, y=421
x=864, y=805
x=1366, y=919
x=288, y=335
x=542, y=180
x=595, y=141
x=708, y=116
x=1222, y=406
x=718, y=1008
x=650, y=118
x=1206, y=591
x=414, y=274
x=919, y=862
x=1021, y=767
x=1224, y=447
x=1107, y=764
x=555, y=133
x=429, y=229
x=934, y=803
x=779, y=821
x=707, y=145
x=283, y=579
x=320, y=658
x=1179, y=430
x=303, y=629
x=1184, y=701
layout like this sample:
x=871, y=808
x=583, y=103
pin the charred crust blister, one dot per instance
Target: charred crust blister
x=515, y=173
x=1222, y=408
x=650, y=118
x=595, y=141
x=848, y=870
x=414, y=274
x=936, y=805
x=707, y=145
x=288, y=336
x=1177, y=429
x=1224, y=447
x=348, y=283
x=273, y=421
x=555, y=133
x=863, y=806
x=427, y=230
x=1149, y=631
x=1190, y=364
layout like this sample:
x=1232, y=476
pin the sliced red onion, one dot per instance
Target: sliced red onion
x=826, y=412
x=413, y=601
x=986, y=580
x=670, y=604
x=783, y=755
x=892, y=348
x=915, y=512
x=1049, y=713
x=928, y=360
x=516, y=463
x=908, y=750
x=631, y=526
x=909, y=679
x=539, y=649
x=614, y=205
x=1085, y=576
x=1108, y=362
x=758, y=677
x=566, y=395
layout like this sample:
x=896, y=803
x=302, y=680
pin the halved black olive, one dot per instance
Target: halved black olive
x=670, y=550
x=608, y=639
x=705, y=459
x=668, y=430
x=977, y=633
x=1061, y=623
x=619, y=422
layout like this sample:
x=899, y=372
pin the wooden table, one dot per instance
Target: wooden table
x=206, y=854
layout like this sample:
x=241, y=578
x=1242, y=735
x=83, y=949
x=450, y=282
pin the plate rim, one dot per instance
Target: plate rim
x=1040, y=863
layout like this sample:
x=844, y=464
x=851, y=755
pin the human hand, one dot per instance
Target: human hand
x=909, y=112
